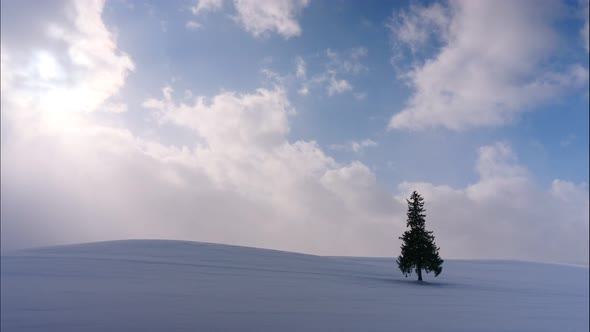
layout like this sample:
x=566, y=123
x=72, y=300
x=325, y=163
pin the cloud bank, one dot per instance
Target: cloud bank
x=67, y=176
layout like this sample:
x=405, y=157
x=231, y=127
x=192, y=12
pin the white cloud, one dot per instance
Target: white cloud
x=338, y=64
x=499, y=161
x=242, y=182
x=360, y=96
x=201, y=7
x=206, y=5
x=357, y=186
x=47, y=67
x=261, y=17
x=232, y=121
x=115, y=107
x=355, y=146
x=304, y=90
x=359, y=146
x=193, y=25
x=359, y=52
x=487, y=70
x=300, y=67
x=348, y=62
x=338, y=86
x=418, y=25
x=274, y=77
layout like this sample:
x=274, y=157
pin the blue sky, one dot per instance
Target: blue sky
x=551, y=140
x=264, y=106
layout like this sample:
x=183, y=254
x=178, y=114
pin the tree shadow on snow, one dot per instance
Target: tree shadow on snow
x=410, y=282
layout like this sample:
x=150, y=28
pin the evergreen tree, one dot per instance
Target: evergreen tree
x=419, y=252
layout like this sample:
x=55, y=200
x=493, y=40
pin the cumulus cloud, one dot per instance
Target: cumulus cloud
x=489, y=66
x=356, y=185
x=232, y=121
x=263, y=17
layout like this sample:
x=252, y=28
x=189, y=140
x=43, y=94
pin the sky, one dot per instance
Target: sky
x=298, y=125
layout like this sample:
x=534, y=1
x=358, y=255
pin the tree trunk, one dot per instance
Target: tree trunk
x=419, y=274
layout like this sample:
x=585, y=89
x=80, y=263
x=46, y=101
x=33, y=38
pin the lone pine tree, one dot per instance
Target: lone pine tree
x=419, y=252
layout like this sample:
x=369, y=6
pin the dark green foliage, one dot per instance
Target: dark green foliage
x=419, y=252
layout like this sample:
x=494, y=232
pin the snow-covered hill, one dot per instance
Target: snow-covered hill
x=153, y=285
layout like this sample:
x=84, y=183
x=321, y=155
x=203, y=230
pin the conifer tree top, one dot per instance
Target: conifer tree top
x=416, y=216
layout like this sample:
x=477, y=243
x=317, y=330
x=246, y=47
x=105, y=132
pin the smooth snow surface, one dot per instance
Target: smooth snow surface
x=149, y=285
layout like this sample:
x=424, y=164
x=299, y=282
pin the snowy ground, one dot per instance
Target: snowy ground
x=189, y=286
